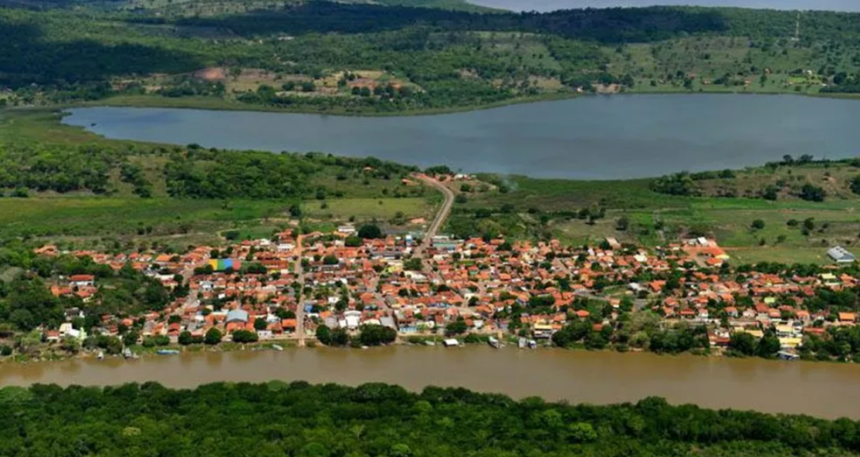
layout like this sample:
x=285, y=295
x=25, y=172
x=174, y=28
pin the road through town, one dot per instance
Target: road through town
x=441, y=215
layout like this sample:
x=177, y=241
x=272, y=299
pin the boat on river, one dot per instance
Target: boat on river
x=277, y=347
x=494, y=342
x=522, y=343
x=167, y=352
x=101, y=355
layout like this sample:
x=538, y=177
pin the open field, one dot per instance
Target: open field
x=552, y=207
x=103, y=215
x=368, y=208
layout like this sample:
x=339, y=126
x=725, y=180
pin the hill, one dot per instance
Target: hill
x=361, y=58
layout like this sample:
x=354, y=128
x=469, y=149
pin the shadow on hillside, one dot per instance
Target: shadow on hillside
x=26, y=57
x=613, y=25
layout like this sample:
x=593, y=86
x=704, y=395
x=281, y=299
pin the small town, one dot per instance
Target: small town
x=358, y=286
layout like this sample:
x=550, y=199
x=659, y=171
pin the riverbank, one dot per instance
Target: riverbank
x=574, y=376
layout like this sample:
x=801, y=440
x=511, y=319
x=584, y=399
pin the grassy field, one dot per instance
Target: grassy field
x=105, y=221
x=365, y=209
x=550, y=207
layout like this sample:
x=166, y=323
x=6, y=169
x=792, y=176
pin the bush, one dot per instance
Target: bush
x=758, y=224
x=812, y=193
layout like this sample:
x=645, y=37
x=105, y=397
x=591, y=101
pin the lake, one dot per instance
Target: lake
x=820, y=389
x=552, y=5
x=597, y=137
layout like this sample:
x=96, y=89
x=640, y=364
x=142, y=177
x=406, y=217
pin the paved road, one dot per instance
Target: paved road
x=441, y=215
x=300, y=278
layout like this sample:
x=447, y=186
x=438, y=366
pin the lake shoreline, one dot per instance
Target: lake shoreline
x=216, y=104
x=572, y=139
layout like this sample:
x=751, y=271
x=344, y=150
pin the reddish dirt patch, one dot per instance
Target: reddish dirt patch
x=211, y=74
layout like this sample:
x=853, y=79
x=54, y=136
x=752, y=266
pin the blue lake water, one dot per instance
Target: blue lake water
x=552, y=5
x=600, y=137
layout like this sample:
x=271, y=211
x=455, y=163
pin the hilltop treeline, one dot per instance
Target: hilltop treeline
x=299, y=419
x=66, y=47
x=613, y=25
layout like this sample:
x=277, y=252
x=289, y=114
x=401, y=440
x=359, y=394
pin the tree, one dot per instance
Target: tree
x=185, y=338
x=457, y=327
x=339, y=337
x=323, y=334
x=582, y=432
x=374, y=335
x=369, y=232
x=768, y=346
x=622, y=224
x=571, y=333
x=742, y=343
x=353, y=242
x=245, y=336
x=130, y=338
x=213, y=336
x=757, y=224
x=260, y=324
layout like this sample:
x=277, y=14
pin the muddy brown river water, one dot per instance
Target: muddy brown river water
x=818, y=389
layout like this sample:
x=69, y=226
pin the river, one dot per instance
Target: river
x=599, y=137
x=552, y=5
x=819, y=389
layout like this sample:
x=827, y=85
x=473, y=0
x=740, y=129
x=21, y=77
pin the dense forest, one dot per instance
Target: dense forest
x=427, y=58
x=298, y=419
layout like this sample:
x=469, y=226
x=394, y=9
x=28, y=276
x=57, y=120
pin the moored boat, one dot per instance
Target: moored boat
x=494, y=342
x=167, y=352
